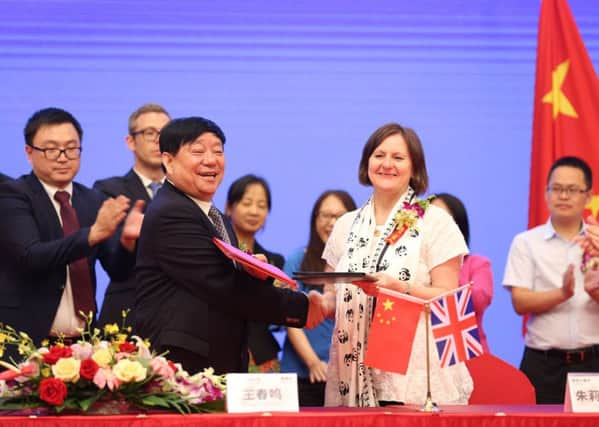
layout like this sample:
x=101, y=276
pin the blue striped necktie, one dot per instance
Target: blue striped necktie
x=154, y=187
x=217, y=220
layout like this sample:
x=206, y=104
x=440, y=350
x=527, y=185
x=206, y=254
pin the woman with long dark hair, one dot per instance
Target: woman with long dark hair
x=306, y=352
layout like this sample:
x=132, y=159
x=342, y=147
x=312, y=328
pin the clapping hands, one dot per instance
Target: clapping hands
x=112, y=212
x=590, y=240
x=132, y=227
x=591, y=280
x=568, y=282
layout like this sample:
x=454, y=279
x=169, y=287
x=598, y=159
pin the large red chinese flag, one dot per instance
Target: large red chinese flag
x=566, y=105
x=392, y=332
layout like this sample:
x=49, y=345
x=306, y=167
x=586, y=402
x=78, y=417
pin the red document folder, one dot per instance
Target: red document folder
x=252, y=262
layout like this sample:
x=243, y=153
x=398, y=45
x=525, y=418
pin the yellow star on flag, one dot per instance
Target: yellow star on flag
x=561, y=104
x=382, y=316
x=593, y=205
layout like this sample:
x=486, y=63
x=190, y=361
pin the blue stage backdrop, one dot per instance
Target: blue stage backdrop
x=298, y=87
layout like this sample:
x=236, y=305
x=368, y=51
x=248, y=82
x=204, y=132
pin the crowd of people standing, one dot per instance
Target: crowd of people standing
x=152, y=231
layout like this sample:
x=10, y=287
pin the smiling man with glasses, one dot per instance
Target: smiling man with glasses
x=141, y=182
x=544, y=275
x=52, y=232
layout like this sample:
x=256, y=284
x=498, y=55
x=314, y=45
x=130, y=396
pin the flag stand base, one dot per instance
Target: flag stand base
x=429, y=405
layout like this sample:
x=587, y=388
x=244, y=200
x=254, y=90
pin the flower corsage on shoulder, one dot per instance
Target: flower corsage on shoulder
x=407, y=218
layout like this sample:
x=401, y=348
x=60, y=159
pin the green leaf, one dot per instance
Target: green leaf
x=10, y=404
x=85, y=404
x=154, y=400
x=214, y=406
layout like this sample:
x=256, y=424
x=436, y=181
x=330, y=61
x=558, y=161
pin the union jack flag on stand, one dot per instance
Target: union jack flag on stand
x=454, y=327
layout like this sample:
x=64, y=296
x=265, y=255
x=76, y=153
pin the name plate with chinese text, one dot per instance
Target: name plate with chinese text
x=262, y=393
x=582, y=392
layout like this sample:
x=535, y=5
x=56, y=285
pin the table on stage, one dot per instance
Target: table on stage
x=401, y=416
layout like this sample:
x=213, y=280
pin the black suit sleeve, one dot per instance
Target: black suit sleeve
x=22, y=240
x=117, y=261
x=104, y=187
x=129, y=185
x=185, y=252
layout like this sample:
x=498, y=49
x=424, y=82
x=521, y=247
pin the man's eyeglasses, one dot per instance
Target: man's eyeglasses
x=149, y=134
x=71, y=153
x=328, y=216
x=558, y=190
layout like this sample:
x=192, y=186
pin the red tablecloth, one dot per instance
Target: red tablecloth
x=454, y=416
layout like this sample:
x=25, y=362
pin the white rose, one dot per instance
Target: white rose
x=129, y=370
x=67, y=369
x=102, y=357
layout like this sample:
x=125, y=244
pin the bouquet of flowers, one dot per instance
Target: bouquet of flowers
x=104, y=367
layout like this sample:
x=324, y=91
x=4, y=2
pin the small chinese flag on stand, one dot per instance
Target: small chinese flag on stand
x=392, y=332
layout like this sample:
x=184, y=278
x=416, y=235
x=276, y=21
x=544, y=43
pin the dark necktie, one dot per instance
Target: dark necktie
x=81, y=284
x=217, y=220
x=154, y=187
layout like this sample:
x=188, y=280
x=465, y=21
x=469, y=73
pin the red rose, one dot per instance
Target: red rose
x=88, y=369
x=127, y=347
x=57, y=352
x=52, y=391
x=67, y=352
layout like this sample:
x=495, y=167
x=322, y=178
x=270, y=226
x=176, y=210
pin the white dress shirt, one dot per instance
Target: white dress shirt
x=537, y=261
x=66, y=322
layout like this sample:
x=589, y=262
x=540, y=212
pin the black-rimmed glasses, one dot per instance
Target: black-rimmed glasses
x=568, y=191
x=148, y=134
x=53, y=153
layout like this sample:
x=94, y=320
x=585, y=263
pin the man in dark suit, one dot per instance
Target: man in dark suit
x=4, y=177
x=53, y=230
x=191, y=300
x=140, y=183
